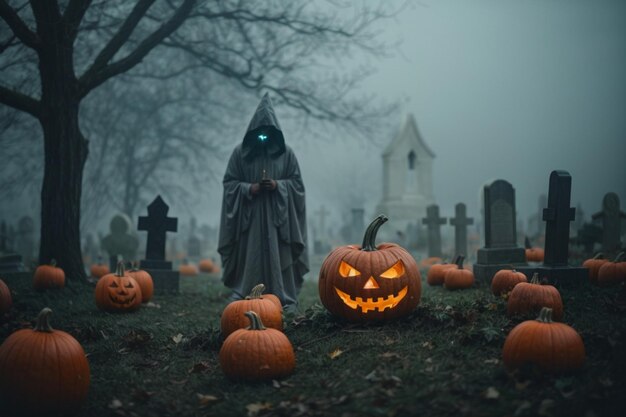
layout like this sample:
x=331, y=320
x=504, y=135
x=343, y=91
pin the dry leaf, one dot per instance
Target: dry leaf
x=199, y=367
x=178, y=338
x=178, y=381
x=335, y=353
x=254, y=408
x=491, y=393
x=205, y=400
x=115, y=404
x=546, y=407
x=428, y=345
x=152, y=305
x=493, y=361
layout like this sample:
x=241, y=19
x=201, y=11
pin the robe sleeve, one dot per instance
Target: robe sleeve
x=235, y=218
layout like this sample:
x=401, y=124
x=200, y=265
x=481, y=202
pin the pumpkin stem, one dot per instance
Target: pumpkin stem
x=619, y=257
x=255, y=321
x=53, y=262
x=535, y=278
x=369, y=239
x=459, y=261
x=256, y=292
x=545, y=315
x=527, y=243
x=599, y=255
x=120, y=271
x=43, y=324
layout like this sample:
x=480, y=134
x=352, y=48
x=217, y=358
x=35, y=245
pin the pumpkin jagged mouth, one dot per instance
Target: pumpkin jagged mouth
x=122, y=301
x=371, y=304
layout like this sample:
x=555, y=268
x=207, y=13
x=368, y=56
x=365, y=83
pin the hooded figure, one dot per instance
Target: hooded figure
x=263, y=224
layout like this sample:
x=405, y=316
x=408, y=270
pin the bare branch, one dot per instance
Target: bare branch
x=73, y=15
x=17, y=25
x=19, y=101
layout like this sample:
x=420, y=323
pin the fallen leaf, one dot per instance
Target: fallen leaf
x=521, y=409
x=177, y=339
x=179, y=381
x=491, y=393
x=428, y=345
x=199, y=367
x=115, y=404
x=493, y=361
x=205, y=399
x=545, y=407
x=335, y=353
x=255, y=408
x=150, y=304
x=492, y=306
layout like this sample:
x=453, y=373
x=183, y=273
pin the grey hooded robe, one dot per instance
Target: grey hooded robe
x=263, y=237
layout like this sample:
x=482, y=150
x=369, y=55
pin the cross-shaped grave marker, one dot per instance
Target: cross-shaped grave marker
x=434, y=222
x=460, y=223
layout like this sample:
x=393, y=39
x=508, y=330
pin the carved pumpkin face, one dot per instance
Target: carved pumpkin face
x=118, y=292
x=362, y=283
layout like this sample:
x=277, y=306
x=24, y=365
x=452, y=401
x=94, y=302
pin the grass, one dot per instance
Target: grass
x=444, y=359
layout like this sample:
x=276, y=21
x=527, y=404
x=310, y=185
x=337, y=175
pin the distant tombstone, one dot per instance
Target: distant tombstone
x=501, y=250
x=588, y=235
x=558, y=215
x=611, y=217
x=193, y=243
x=119, y=243
x=460, y=223
x=9, y=260
x=357, y=226
x=90, y=249
x=320, y=245
x=25, y=239
x=434, y=222
x=157, y=224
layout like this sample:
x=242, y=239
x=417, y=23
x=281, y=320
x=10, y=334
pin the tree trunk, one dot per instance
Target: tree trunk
x=65, y=154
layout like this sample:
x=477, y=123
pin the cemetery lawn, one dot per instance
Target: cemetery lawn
x=444, y=359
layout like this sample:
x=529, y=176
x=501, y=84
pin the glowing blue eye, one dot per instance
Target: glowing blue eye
x=262, y=137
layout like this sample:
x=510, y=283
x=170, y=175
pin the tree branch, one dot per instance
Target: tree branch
x=17, y=25
x=74, y=14
x=19, y=101
x=99, y=72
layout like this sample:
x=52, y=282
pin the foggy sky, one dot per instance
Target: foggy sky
x=499, y=89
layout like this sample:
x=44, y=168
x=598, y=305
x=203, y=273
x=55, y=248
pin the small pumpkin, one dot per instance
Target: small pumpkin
x=5, y=298
x=429, y=262
x=267, y=306
x=369, y=282
x=144, y=279
x=187, y=269
x=99, y=269
x=436, y=273
x=257, y=352
x=458, y=278
x=505, y=280
x=594, y=265
x=43, y=371
x=614, y=272
x=531, y=297
x=533, y=254
x=118, y=292
x=49, y=277
x=206, y=266
x=552, y=347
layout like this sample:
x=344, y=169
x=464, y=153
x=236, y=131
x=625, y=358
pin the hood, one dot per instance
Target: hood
x=264, y=122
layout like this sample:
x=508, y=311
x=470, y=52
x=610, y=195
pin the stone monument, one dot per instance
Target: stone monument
x=157, y=224
x=611, y=217
x=501, y=250
x=120, y=243
x=434, y=222
x=460, y=223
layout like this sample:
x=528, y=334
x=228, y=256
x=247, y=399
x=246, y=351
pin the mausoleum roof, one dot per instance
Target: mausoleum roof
x=409, y=129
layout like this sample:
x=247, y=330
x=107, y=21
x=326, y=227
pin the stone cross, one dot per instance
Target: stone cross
x=611, y=217
x=460, y=223
x=558, y=216
x=434, y=222
x=157, y=224
x=500, y=223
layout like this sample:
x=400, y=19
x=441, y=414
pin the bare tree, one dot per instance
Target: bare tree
x=54, y=54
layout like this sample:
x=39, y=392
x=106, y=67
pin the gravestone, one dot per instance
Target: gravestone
x=501, y=250
x=434, y=222
x=558, y=215
x=157, y=224
x=460, y=223
x=120, y=243
x=9, y=260
x=320, y=245
x=357, y=226
x=25, y=240
x=611, y=217
x=194, y=248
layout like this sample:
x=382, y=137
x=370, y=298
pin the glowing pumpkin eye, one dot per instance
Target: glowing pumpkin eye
x=346, y=270
x=397, y=270
x=114, y=285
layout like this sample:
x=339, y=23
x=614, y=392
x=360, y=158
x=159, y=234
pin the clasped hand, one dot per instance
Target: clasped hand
x=265, y=185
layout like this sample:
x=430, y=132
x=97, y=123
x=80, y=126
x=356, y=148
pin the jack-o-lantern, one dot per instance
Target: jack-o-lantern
x=369, y=282
x=118, y=292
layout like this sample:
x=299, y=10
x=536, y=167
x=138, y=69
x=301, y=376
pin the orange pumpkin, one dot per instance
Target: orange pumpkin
x=430, y=262
x=611, y=273
x=594, y=265
x=49, y=277
x=144, y=280
x=43, y=371
x=267, y=306
x=369, y=282
x=206, y=265
x=436, y=272
x=257, y=353
x=99, y=270
x=187, y=269
x=533, y=254
x=531, y=297
x=5, y=298
x=505, y=280
x=552, y=347
x=458, y=278
x=118, y=292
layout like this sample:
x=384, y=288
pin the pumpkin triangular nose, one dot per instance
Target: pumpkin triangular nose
x=371, y=284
